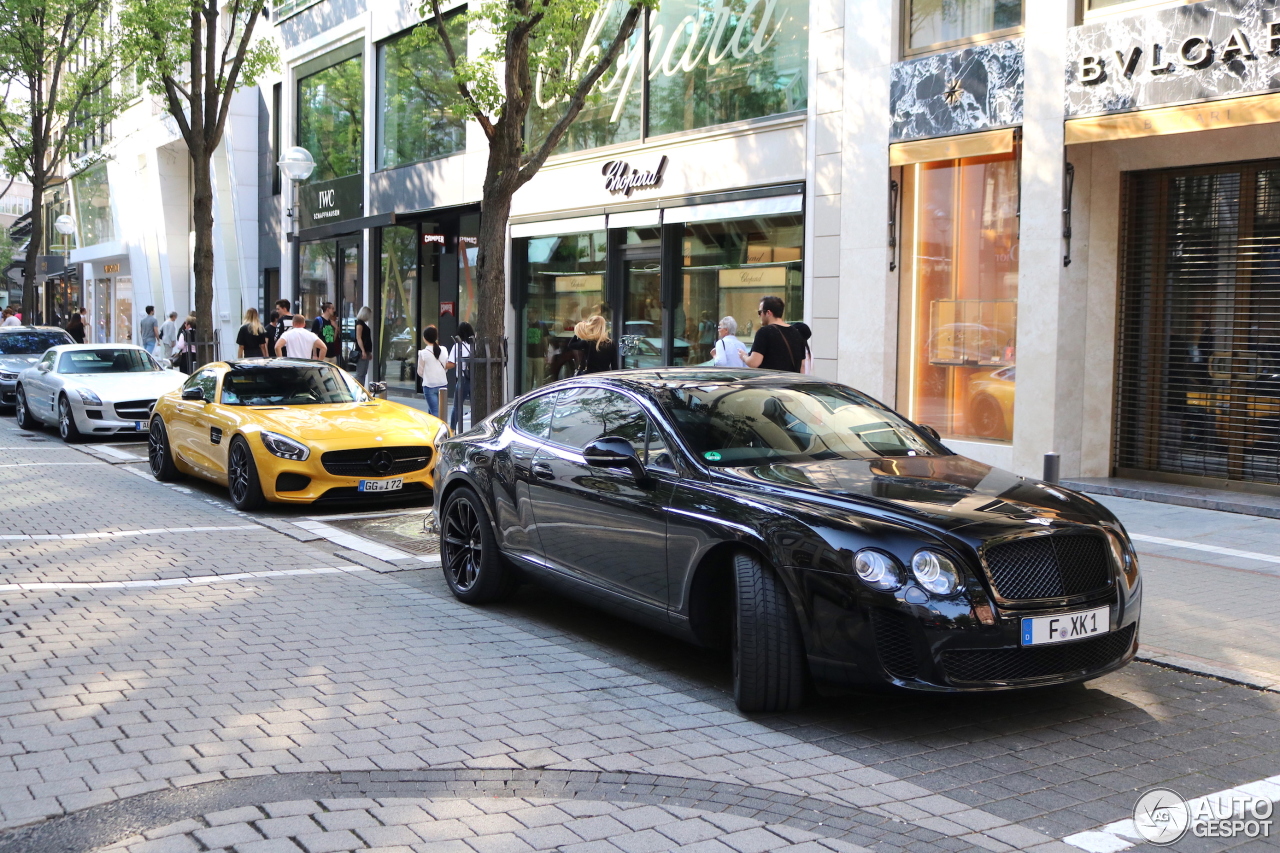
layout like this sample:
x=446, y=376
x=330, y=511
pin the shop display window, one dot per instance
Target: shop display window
x=939, y=23
x=959, y=311
x=331, y=119
x=565, y=284
x=93, y=206
x=415, y=90
x=398, y=328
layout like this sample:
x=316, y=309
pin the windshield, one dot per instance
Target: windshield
x=106, y=360
x=729, y=425
x=289, y=386
x=31, y=343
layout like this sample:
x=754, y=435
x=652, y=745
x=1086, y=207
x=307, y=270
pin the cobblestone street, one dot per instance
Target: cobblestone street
x=177, y=676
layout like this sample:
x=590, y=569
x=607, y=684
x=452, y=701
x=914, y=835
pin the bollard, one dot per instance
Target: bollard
x=1052, y=467
x=443, y=397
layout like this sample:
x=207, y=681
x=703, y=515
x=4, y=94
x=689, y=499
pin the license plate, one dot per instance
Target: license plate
x=1044, y=630
x=139, y=426
x=381, y=485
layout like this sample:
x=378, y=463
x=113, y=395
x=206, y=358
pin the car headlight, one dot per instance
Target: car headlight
x=1126, y=560
x=6, y=376
x=89, y=397
x=877, y=570
x=935, y=572
x=442, y=434
x=285, y=448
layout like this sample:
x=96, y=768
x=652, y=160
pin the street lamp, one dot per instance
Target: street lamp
x=296, y=164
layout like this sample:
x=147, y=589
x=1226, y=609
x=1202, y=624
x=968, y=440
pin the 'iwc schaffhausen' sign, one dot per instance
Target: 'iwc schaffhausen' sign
x=620, y=177
x=1183, y=54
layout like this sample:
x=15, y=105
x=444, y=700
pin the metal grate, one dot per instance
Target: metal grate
x=370, y=461
x=1198, y=351
x=1040, y=567
x=134, y=410
x=982, y=665
x=894, y=644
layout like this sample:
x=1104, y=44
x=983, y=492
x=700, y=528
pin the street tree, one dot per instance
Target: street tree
x=536, y=52
x=58, y=63
x=195, y=54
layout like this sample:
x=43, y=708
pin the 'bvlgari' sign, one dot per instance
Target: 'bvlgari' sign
x=1183, y=54
x=619, y=177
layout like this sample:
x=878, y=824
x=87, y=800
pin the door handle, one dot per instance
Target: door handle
x=543, y=471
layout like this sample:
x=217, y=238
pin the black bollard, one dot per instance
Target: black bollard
x=1052, y=467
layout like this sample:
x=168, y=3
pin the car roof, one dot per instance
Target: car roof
x=9, y=330
x=79, y=347
x=674, y=377
x=259, y=363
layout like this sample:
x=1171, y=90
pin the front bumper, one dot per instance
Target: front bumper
x=104, y=420
x=306, y=482
x=863, y=639
x=8, y=392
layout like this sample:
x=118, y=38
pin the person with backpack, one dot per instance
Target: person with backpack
x=431, y=369
x=778, y=345
x=460, y=357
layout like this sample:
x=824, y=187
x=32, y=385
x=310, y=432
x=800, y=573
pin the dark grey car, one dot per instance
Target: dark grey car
x=20, y=348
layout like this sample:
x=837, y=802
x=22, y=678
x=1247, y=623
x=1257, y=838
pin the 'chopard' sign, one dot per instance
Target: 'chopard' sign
x=619, y=177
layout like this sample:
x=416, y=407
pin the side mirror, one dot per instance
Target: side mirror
x=929, y=431
x=376, y=388
x=196, y=393
x=165, y=364
x=43, y=367
x=613, y=452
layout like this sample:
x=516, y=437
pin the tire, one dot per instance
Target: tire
x=986, y=418
x=768, y=651
x=242, y=477
x=473, y=568
x=22, y=412
x=67, y=422
x=160, y=453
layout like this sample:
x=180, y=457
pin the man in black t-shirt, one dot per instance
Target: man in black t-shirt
x=325, y=329
x=282, y=322
x=777, y=346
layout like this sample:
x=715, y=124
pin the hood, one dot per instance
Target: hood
x=15, y=363
x=127, y=386
x=948, y=493
x=380, y=422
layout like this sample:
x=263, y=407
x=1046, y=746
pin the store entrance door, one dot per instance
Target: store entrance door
x=350, y=295
x=1198, y=379
x=642, y=331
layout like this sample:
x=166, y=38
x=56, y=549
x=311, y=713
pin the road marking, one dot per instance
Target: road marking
x=35, y=464
x=1200, y=546
x=111, y=534
x=202, y=579
x=1122, y=834
x=53, y=447
x=355, y=543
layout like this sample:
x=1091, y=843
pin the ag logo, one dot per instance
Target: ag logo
x=382, y=461
x=1161, y=816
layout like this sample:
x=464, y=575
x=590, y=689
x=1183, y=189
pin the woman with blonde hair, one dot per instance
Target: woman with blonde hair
x=592, y=347
x=362, y=352
x=252, y=337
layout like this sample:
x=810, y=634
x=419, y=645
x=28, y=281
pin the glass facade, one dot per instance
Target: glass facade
x=415, y=88
x=564, y=283
x=959, y=309
x=331, y=119
x=939, y=22
x=398, y=344
x=93, y=206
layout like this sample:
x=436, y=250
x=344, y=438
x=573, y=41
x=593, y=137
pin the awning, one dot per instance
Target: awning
x=1188, y=118
x=951, y=147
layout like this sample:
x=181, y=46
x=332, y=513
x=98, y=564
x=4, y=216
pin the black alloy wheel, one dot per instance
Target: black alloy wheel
x=473, y=568
x=22, y=412
x=768, y=652
x=242, y=477
x=159, y=454
x=67, y=422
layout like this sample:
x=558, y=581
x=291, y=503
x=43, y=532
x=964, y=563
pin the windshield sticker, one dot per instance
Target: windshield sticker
x=711, y=456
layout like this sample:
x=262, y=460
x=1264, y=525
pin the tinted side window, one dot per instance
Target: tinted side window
x=534, y=416
x=585, y=414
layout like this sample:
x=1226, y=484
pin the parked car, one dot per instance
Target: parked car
x=93, y=389
x=292, y=430
x=991, y=402
x=21, y=347
x=797, y=522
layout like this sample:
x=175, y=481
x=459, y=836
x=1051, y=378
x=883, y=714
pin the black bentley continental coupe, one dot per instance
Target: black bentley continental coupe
x=818, y=535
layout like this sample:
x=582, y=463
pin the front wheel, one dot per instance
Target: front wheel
x=473, y=568
x=768, y=651
x=22, y=412
x=987, y=418
x=242, y=477
x=67, y=422
x=160, y=453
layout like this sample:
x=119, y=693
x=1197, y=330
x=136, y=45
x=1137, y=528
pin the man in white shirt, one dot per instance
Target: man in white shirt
x=10, y=318
x=168, y=335
x=299, y=342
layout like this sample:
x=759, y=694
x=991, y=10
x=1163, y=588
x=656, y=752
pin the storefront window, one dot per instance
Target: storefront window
x=331, y=119
x=415, y=88
x=934, y=23
x=398, y=346
x=960, y=296
x=727, y=268
x=565, y=284
x=317, y=276
x=468, y=248
x=93, y=206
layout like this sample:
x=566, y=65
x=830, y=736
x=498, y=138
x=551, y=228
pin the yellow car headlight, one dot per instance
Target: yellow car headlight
x=284, y=447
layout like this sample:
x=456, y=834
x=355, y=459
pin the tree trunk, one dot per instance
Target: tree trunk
x=202, y=261
x=29, y=271
x=491, y=283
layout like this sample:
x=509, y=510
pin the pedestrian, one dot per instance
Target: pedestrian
x=363, y=350
x=728, y=351
x=282, y=320
x=148, y=330
x=460, y=358
x=168, y=335
x=325, y=329
x=299, y=342
x=431, y=369
x=777, y=345
x=805, y=332
x=10, y=317
x=251, y=340
x=76, y=328
x=592, y=347
x=185, y=346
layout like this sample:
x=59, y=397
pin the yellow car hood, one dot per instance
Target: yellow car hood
x=347, y=425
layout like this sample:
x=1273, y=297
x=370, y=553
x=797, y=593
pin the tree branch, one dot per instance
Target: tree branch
x=452, y=56
x=229, y=88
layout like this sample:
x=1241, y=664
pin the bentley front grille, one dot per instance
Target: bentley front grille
x=1055, y=566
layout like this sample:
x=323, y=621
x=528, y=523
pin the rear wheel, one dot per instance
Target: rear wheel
x=768, y=651
x=242, y=476
x=67, y=422
x=473, y=568
x=987, y=418
x=160, y=454
x=22, y=412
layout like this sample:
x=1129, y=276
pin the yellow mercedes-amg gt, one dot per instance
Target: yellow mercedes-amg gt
x=293, y=431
